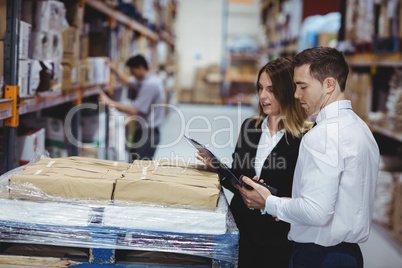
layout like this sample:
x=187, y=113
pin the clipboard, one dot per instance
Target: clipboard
x=223, y=170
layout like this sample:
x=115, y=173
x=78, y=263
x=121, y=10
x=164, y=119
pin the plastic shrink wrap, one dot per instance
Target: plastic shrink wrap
x=204, y=232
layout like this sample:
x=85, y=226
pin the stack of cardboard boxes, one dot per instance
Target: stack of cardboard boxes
x=207, y=85
x=358, y=91
x=166, y=182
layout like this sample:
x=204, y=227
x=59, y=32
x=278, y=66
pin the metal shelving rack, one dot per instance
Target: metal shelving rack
x=11, y=107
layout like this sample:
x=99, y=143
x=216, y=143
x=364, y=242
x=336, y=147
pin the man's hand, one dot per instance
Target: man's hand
x=104, y=98
x=254, y=198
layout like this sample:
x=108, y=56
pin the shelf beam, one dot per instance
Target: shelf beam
x=122, y=18
x=382, y=60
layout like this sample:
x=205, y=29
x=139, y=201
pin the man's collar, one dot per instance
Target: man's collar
x=332, y=110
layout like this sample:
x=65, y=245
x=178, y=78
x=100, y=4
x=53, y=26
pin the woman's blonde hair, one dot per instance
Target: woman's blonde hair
x=293, y=118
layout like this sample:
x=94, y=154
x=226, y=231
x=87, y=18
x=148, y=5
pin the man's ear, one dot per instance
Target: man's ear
x=330, y=84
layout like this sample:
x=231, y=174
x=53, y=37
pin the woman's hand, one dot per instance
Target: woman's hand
x=204, y=159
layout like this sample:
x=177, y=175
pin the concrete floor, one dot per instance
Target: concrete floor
x=217, y=127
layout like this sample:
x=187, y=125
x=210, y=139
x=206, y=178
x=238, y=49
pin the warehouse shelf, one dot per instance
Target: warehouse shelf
x=126, y=20
x=37, y=103
x=244, y=56
x=367, y=60
x=386, y=132
x=242, y=78
x=5, y=108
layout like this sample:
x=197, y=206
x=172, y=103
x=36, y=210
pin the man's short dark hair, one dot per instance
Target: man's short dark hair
x=324, y=62
x=137, y=61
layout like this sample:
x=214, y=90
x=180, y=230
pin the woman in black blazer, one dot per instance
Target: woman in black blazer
x=268, y=146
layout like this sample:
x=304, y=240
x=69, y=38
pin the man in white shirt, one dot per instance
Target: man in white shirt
x=334, y=183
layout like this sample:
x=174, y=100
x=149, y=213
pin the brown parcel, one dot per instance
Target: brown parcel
x=73, y=173
x=62, y=186
x=174, y=190
x=74, y=161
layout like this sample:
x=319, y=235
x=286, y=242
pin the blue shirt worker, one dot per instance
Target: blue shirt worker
x=147, y=109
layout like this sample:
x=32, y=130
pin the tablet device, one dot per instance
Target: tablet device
x=223, y=170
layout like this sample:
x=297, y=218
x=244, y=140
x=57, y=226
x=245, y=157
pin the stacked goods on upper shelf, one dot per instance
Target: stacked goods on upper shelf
x=48, y=22
x=72, y=45
x=281, y=21
x=359, y=21
x=358, y=91
x=372, y=27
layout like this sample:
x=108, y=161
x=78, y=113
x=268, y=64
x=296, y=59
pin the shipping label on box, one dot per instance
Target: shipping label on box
x=25, y=40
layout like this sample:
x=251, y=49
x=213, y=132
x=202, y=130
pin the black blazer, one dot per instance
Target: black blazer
x=257, y=230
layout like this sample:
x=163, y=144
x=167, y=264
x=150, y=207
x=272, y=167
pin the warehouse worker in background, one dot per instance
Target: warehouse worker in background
x=147, y=108
x=334, y=183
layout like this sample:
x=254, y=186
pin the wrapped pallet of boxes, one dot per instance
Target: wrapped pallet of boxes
x=88, y=221
x=149, y=181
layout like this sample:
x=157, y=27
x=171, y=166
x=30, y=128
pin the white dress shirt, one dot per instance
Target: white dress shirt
x=265, y=146
x=334, y=181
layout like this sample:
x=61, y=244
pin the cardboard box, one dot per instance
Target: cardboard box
x=84, y=73
x=36, y=68
x=84, y=47
x=47, y=46
x=3, y=19
x=74, y=13
x=71, y=73
x=169, y=183
x=71, y=177
x=28, y=143
x=62, y=186
x=165, y=190
x=50, y=16
x=24, y=71
x=71, y=42
x=25, y=40
x=93, y=128
x=27, y=11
